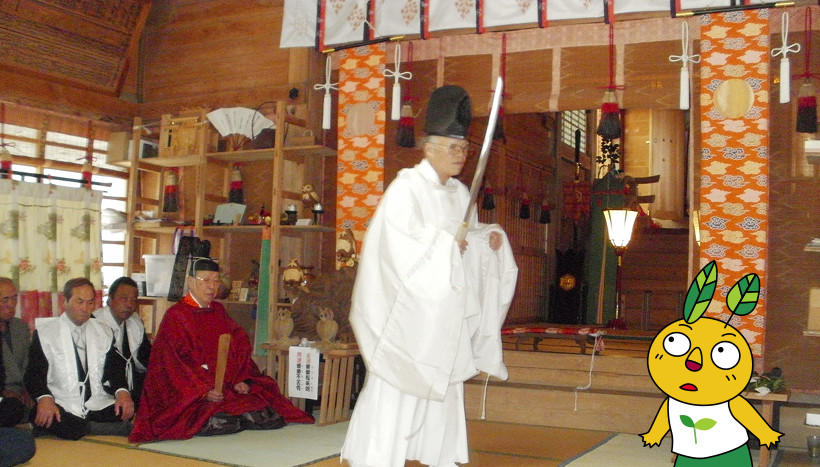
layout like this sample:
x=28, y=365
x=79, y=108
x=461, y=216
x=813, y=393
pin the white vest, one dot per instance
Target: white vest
x=726, y=434
x=58, y=347
x=136, y=331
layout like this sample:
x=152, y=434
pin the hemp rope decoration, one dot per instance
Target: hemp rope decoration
x=397, y=74
x=326, y=86
x=785, y=66
x=684, y=58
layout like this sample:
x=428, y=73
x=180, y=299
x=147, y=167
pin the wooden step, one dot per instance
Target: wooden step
x=542, y=387
x=612, y=373
x=560, y=406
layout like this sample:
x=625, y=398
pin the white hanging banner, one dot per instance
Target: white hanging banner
x=701, y=4
x=573, y=9
x=446, y=14
x=638, y=6
x=298, y=24
x=506, y=12
x=397, y=17
x=303, y=372
x=344, y=21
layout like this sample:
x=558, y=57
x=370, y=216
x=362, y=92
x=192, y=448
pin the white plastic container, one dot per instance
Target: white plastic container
x=158, y=272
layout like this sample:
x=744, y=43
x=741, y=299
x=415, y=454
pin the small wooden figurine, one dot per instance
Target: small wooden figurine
x=309, y=196
x=326, y=328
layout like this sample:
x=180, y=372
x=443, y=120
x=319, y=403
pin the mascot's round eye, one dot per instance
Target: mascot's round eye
x=725, y=355
x=676, y=344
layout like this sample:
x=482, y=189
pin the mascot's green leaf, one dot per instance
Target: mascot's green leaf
x=700, y=293
x=742, y=297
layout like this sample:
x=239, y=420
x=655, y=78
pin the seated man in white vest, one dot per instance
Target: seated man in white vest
x=74, y=372
x=129, y=333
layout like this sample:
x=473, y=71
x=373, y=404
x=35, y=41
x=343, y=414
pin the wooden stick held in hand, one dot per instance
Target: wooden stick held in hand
x=222, y=361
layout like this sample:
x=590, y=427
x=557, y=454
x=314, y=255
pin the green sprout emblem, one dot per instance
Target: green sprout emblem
x=703, y=424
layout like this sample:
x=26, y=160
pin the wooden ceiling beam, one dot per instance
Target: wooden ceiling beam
x=49, y=95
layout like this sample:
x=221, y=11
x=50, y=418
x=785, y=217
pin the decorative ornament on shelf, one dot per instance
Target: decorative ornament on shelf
x=238, y=124
x=170, y=196
x=236, y=195
x=326, y=328
x=293, y=275
x=309, y=196
x=282, y=327
x=346, y=254
x=317, y=211
x=771, y=381
x=292, y=214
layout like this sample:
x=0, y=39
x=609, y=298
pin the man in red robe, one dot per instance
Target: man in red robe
x=179, y=399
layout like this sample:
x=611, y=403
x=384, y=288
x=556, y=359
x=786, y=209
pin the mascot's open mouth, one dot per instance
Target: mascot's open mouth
x=689, y=387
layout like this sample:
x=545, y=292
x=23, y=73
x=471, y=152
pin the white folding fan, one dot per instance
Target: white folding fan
x=238, y=124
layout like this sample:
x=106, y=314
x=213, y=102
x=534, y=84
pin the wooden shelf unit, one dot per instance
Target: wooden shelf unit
x=273, y=179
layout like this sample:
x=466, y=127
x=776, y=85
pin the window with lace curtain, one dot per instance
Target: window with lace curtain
x=68, y=151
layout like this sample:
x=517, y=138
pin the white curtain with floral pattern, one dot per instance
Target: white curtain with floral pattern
x=50, y=234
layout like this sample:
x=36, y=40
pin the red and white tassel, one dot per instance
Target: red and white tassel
x=236, y=194
x=397, y=74
x=785, y=67
x=326, y=86
x=684, y=58
x=807, y=108
x=5, y=162
x=85, y=173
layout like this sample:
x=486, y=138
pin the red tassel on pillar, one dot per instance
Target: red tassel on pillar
x=499, y=124
x=488, y=201
x=806, y=108
x=5, y=155
x=545, y=217
x=86, y=174
x=406, y=137
x=524, y=210
x=610, y=125
x=5, y=163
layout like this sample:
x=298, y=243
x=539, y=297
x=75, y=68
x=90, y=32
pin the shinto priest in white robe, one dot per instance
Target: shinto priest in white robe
x=426, y=319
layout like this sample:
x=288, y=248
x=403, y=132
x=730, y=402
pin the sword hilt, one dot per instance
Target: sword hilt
x=461, y=233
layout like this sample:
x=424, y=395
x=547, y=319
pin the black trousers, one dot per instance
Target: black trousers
x=12, y=411
x=73, y=427
x=16, y=446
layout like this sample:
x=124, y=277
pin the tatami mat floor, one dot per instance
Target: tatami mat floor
x=491, y=444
